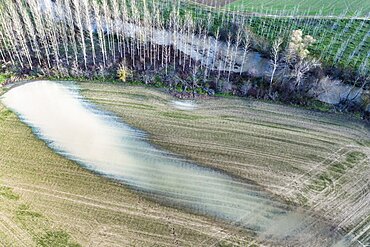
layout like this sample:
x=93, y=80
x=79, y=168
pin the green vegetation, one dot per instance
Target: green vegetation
x=8, y=193
x=56, y=239
x=224, y=95
x=337, y=169
x=341, y=42
x=180, y=115
x=336, y=43
x=4, y=114
x=305, y=7
x=3, y=78
x=320, y=106
x=355, y=157
x=24, y=212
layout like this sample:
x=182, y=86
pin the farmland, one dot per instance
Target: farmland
x=47, y=200
x=340, y=42
x=303, y=7
x=341, y=29
x=184, y=123
x=308, y=158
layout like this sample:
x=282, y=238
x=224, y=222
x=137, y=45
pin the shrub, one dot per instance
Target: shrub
x=123, y=73
x=3, y=78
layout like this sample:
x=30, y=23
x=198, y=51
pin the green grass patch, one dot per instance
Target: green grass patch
x=364, y=143
x=337, y=169
x=56, y=239
x=305, y=7
x=319, y=106
x=3, y=78
x=8, y=193
x=179, y=115
x=138, y=106
x=321, y=182
x=24, y=212
x=301, y=199
x=138, y=96
x=224, y=95
x=4, y=114
x=355, y=157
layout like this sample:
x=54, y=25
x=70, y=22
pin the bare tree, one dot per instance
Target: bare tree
x=275, y=51
x=246, y=44
x=362, y=79
x=302, y=68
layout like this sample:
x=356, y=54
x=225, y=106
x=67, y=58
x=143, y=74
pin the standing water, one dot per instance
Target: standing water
x=101, y=143
x=184, y=105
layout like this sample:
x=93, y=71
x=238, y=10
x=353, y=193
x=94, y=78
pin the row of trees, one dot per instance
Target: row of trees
x=97, y=32
x=206, y=45
x=293, y=62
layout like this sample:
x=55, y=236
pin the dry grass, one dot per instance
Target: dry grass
x=287, y=150
x=46, y=200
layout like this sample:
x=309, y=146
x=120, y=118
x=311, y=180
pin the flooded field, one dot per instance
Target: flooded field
x=100, y=142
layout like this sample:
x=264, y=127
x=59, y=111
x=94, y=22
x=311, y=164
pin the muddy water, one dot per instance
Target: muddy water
x=102, y=143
